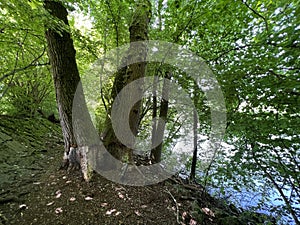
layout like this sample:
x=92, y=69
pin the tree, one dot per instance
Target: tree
x=195, y=136
x=256, y=63
x=132, y=72
x=252, y=47
x=64, y=69
x=80, y=138
x=159, y=126
x=24, y=71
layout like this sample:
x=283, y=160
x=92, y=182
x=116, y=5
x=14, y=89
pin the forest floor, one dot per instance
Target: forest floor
x=34, y=191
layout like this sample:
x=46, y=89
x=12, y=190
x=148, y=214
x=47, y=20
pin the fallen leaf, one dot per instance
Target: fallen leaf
x=137, y=213
x=121, y=195
x=58, y=210
x=193, y=222
x=104, y=204
x=207, y=211
x=58, y=195
x=109, y=212
x=23, y=206
x=88, y=198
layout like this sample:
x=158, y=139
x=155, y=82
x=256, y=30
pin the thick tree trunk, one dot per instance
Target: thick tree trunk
x=64, y=69
x=138, y=32
x=66, y=79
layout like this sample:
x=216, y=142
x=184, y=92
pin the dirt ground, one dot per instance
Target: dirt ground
x=61, y=197
x=34, y=191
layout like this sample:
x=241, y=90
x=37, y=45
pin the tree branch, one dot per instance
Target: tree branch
x=114, y=21
x=188, y=23
x=32, y=64
x=221, y=54
x=257, y=14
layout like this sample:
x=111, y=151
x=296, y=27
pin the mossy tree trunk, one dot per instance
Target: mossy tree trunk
x=133, y=71
x=158, y=133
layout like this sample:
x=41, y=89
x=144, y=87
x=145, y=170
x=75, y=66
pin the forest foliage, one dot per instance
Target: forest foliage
x=252, y=46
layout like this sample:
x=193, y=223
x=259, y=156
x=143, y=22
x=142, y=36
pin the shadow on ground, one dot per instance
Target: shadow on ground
x=34, y=191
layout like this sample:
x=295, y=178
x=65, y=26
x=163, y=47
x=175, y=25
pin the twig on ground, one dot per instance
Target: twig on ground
x=176, y=204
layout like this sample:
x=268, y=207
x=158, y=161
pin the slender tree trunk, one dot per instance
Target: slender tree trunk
x=154, y=112
x=160, y=129
x=159, y=11
x=66, y=79
x=138, y=32
x=195, y=134
x=195, y=152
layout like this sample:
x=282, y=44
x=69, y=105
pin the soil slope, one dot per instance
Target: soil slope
x=34, y=191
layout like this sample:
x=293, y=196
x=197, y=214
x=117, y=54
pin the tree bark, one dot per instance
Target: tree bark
x=133, y=71
x=195, y=152
x=64, y=70
x=154, y=113
x=161, y=123
x=66, y=79
x=195, y=133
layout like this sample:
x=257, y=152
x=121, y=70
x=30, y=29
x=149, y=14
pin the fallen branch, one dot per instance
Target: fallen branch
x=176, y=204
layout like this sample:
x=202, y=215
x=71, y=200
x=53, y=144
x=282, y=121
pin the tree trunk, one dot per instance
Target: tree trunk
x=64, y=69
x=133, y=71
x=66, y=79
x=160, y=128
x=154, y=113
x=195, y=133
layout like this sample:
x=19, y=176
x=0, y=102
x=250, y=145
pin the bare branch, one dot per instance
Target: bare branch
x=176, y=204
x=257, y=14
x=34, y=63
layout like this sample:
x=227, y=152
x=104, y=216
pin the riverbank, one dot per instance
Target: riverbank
x=35, y=191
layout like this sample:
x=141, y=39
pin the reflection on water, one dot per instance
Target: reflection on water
x=262, y=201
